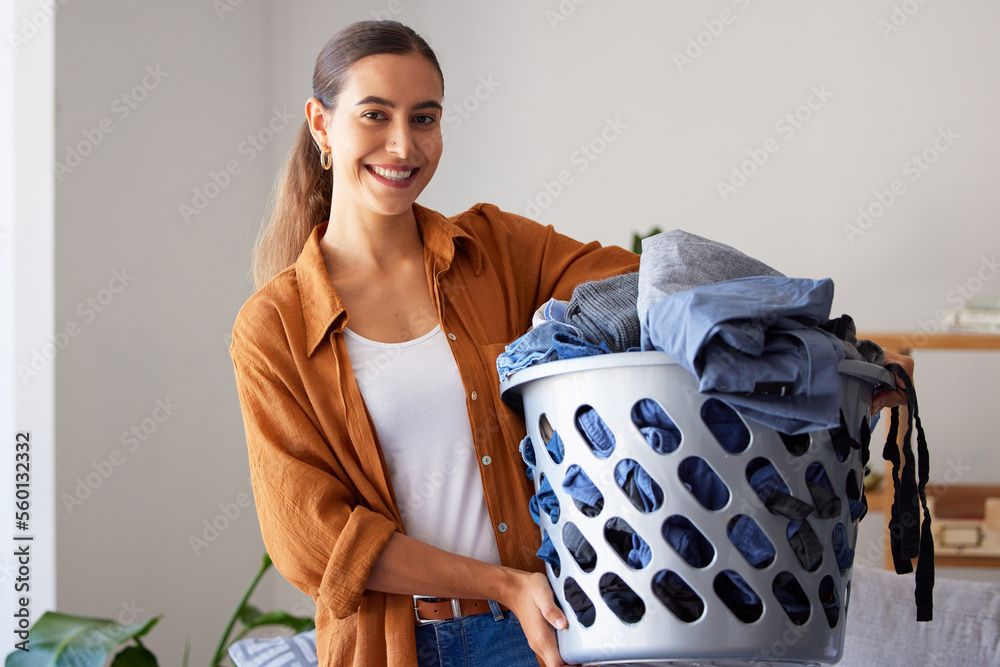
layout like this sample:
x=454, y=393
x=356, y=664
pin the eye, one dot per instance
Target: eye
x=374, y=115
x=424, y=119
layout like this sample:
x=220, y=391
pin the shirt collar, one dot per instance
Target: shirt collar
x=321, y=305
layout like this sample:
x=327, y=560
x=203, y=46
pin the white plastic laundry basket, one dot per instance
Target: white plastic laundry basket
x=668, y=624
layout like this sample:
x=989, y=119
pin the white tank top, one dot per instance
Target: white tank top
x=416, y=399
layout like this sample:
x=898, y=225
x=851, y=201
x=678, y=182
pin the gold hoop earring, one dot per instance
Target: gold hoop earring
x=326, y=159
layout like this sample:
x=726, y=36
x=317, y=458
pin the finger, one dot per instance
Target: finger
x=556, y=618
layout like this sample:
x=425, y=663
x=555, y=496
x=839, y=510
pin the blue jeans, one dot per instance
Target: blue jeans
x=479, y=640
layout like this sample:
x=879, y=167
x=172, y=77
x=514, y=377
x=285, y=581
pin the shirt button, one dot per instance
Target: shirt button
x=502, y=528
x=487, y=460
x=475, y=395
x=452, y=336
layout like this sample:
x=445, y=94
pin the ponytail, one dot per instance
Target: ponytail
x=301, y=201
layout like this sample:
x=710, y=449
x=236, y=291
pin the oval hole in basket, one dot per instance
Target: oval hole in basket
x=805, y=544
x=580, y=550
x=675, y=594
x=750, y=540
x=764, y=478
x=628, y=544
x=637, y=485
x=689, y=542
x=828, y=598
x=547, y=552
x=855, y=504
x=703, y=483
x=548, y=502
x=791, y=597
x=656, y=426
x=725, y=425
x=825, y=499
x=553, y=443
x=585, y=494
x=579, y=602
x=621, y=599
x=842, y=549
x=596, y=434
x=797, y=445
x=738, y=596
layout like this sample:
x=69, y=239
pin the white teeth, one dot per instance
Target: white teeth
x=392, y=174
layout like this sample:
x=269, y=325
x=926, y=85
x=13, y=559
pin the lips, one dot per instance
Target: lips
x=393, y=174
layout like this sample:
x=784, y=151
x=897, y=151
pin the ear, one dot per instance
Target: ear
x=318, y=118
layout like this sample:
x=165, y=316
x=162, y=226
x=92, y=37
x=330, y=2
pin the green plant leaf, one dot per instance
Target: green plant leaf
x=297, y=623
x=135, y=656
x=62, y=640
x=637, y=239
x=248, y=613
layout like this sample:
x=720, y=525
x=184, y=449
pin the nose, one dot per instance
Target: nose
x=400, y=140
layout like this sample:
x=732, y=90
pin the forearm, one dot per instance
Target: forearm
x=408, y=566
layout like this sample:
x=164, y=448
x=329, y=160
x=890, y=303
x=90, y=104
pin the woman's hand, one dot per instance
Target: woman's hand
x=533, y=603
x=893, y=397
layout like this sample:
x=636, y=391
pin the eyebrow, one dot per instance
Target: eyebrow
x=374, y=99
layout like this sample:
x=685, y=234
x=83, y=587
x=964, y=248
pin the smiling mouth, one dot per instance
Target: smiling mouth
x=392, y=174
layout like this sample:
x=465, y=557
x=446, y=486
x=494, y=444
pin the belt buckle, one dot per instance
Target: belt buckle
x=456, y=609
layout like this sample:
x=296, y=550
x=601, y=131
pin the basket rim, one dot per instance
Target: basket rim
x=512, y=387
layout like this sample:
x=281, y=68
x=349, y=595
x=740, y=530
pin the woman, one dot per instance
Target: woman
x=384, y=464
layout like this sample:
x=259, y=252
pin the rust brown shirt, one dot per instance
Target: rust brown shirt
x=322, y=490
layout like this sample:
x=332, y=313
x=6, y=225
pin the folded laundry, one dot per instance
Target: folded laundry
x=605, y=310
x=675, y=261
x=755, y=343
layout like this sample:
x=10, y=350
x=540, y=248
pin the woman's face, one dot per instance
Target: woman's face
x=385, y=134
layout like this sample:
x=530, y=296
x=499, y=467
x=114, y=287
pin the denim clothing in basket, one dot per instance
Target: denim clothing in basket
x=549, y=341
x=480, y=640
x=756, y=344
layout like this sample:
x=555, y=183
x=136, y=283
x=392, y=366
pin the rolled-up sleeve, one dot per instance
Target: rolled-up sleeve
x=316, y=530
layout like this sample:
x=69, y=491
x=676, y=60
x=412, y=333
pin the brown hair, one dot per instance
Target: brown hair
x=303, y=192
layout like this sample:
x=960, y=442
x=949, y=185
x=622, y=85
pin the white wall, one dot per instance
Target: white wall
x=544, y=89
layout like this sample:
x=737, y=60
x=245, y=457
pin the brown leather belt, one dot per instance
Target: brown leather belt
x=434, y=610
